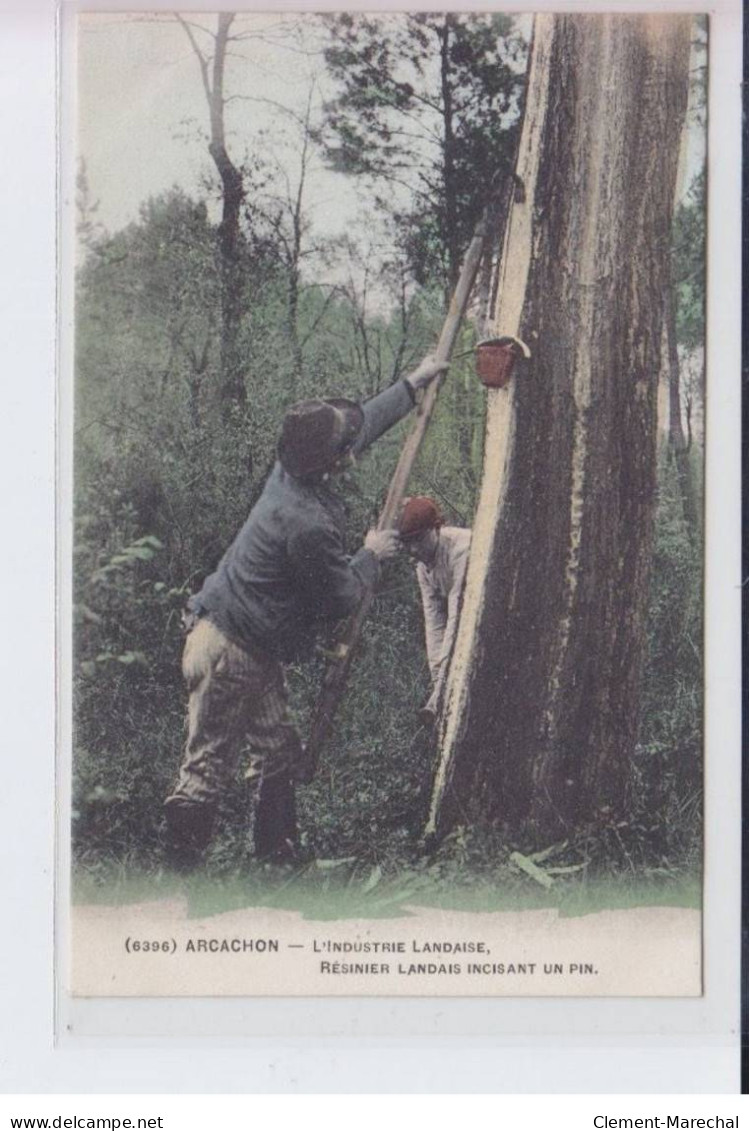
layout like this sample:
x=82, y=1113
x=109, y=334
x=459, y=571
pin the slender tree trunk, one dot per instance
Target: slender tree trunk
x=294, y=266
x=229, y=237
x=541, y=710
x=664, y=397
x=233, y=390
x=677, y=442
x=448, y=151
x=483, y=293
x=198, y=367
x=293, y=324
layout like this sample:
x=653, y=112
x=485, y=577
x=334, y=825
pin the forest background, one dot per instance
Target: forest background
x=324, y=192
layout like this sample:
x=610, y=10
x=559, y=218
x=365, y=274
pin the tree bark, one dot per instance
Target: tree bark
x=541, y=708
x=678, y=444
x=448, y=157
x=295, y=257
x=233, y=391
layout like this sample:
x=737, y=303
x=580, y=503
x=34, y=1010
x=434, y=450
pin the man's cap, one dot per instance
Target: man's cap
x=316, y=433
x=419, y=514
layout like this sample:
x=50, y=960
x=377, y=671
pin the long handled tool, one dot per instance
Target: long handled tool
x=341, y=655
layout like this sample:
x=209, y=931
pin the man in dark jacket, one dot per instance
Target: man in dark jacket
x=286, y=569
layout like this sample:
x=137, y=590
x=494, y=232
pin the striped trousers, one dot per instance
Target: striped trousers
x=238, y=705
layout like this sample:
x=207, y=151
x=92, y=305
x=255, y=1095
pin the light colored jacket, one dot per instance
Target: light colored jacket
x=441, y=586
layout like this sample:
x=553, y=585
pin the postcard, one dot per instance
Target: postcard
x=388, y=448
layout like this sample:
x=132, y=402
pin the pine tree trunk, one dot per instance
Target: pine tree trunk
x=677, y=442
x=448, y=153
x=541, y=710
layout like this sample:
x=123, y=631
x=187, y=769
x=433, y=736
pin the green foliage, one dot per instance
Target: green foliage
x=126, y=658
x=164, y=477
x=161, y=488
x=428, y=101
x=689, y=265
x=667, y=788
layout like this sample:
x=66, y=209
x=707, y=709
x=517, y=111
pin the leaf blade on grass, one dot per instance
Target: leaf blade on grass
x=526, y=865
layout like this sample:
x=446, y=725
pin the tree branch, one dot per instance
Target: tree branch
x=202, y=60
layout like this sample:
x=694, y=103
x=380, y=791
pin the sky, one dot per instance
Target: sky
x=142, y=116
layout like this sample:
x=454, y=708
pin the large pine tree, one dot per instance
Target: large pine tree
x=542, y=705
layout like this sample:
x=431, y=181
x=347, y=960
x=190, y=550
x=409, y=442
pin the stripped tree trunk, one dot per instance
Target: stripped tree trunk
x=541, y=708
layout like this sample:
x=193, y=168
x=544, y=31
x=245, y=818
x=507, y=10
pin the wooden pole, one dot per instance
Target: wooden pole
x=339, y=665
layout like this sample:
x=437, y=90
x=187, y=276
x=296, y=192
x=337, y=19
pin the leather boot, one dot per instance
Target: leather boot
x=189, y=825
x=276, y=835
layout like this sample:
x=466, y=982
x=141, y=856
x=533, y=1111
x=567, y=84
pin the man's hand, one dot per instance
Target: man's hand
x=426, y=372
x=383, y=543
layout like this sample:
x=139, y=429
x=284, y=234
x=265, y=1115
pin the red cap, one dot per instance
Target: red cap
x=419, y=514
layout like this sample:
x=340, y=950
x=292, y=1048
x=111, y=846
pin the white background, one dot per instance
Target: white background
x=547, y=1047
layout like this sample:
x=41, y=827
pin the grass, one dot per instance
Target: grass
x=364, y=813
x=349, y=888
